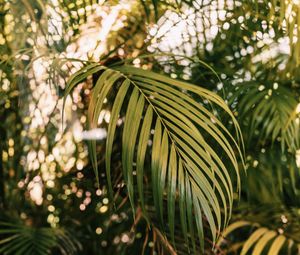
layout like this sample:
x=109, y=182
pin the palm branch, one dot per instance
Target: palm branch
x=272, y=109
x=269, y=231
x=184, y=164
x=20, y=239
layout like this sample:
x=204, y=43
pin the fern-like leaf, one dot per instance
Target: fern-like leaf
x=268, y=230
x=18, y=239
x=184, y=163
x=271, y=111
x=262, y=240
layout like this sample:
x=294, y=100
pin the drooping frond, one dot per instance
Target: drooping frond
x=19, y=239
x=272, y=176
x=187, y=141
x=265, y=237
x=272, y=112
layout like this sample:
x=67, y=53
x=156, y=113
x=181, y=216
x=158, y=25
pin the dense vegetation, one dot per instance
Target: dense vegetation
x=149, y=127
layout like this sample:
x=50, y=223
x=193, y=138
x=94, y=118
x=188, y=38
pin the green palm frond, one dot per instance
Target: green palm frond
x=262, y=240
x=184, y=163
x=269, y=229
x=270, y=111
x=272, y=176
x=19, y=239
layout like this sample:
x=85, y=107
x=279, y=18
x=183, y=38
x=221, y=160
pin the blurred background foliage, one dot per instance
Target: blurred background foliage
x=50, y=202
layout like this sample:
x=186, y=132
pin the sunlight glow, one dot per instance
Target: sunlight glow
x=298, y=158
x=35, y=188
x=298, y=109
x=94, y=134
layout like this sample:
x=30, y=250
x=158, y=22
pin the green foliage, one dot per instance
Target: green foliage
x=272, y=110
x=168, y=173
x=179, y=149
x=17, y=238
x=277, y=235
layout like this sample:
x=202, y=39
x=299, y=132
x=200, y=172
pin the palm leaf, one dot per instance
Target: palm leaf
x=17, y=238
x=272, y=176
x=262, y=240
x=271, y=111
x=267, y=230
x=183, y=163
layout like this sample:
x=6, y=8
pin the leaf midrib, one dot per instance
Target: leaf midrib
x=156, y=111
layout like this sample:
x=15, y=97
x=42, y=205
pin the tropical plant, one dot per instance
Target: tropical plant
x=19, y=239
x=182, y=161
x=174, y=99
x=277, y=235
